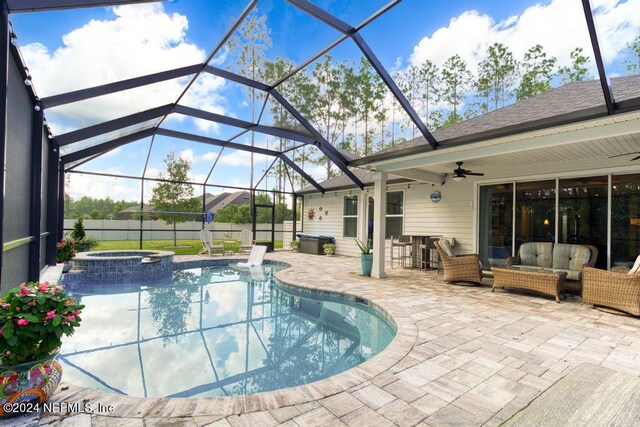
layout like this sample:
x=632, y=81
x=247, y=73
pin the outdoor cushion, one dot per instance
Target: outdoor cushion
x=571, y=274
x=636, y=266
x=536, y=254
x=570, y=257
x=446, y=247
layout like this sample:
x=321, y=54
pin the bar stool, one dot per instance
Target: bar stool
x=428, y=254
x=400, y=245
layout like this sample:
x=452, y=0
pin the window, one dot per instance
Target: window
x=394, y=218
x=350, y=217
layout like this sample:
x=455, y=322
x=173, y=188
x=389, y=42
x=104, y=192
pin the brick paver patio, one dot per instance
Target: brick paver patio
x=463, y=356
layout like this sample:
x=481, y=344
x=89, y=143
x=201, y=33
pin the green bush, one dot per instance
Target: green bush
x=78, y=232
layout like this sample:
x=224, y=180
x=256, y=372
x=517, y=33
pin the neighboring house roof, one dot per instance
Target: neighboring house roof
x=215, y=202
x=341, y=182
x=135, y=209
x=569, y=103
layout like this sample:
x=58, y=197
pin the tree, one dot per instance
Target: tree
x=371, y=92
x=409, y=84
x=430, y=82
x=537, y=73
x=249, y=46
x=496, y=75
x=633, y=56
x=331, y=105
x=456, y=79
x=171, y=198
x=577, y=71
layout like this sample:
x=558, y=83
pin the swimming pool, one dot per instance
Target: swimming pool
x=215, y=331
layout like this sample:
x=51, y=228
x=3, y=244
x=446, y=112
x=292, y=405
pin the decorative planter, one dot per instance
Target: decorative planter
x=28, y=384
x=367, y=264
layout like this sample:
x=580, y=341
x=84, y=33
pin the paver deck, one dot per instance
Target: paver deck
x=463, y=356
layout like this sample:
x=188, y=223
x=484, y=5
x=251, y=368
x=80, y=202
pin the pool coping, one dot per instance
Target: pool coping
x=115, y=405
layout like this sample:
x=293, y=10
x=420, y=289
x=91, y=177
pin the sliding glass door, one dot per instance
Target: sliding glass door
x=496, y=224
x=582, y=213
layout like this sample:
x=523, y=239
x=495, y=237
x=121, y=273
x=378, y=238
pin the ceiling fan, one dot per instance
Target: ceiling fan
x=460, y=174
x=627, y=154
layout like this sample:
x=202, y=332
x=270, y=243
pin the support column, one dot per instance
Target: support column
x=52, y=202
x=295, y=214
x=36, y=196
x=379, y=211
x=4, y=85
x=60, y=231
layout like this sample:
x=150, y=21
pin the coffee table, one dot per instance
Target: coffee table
x=546, y=282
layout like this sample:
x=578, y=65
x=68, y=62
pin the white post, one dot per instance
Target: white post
x=379, y=211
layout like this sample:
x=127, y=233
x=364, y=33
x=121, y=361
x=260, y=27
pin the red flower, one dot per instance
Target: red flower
x=22, y=322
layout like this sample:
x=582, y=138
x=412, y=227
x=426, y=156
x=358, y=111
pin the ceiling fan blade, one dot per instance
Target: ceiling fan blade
x=635, y=158
x=474, y=173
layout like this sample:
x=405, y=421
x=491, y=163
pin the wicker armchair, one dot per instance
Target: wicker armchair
x=613, y=289
x=460, y=268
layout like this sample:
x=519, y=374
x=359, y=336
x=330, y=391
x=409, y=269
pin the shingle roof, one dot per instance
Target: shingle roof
x=573, y=101
x=341, y=182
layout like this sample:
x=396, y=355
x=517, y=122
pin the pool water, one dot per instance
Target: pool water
x=215, y=331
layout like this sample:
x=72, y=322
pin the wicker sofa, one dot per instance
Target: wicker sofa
x=558, y=257
x=459, y=268
x=613, y=289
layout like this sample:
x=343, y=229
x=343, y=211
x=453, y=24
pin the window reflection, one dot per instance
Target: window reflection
x=496, y=223
x=625, y=219
x=535, y=212
x=582, y=216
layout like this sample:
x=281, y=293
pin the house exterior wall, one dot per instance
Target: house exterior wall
x=456, y=215
x=451, y=217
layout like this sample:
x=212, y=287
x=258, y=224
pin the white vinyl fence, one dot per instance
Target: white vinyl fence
x=105, y=229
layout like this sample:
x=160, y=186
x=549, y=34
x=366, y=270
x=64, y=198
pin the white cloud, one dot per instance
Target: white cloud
x=558, y=26
x=100, y=187
x=187, y=155
x=242, y=159
x=140, y=40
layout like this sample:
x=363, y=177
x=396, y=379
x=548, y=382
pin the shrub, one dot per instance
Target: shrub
x=78, y=232
x=329, y=249
x=66, y=250
x=37, y=315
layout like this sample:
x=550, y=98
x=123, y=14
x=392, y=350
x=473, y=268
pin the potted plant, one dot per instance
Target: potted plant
x=294, y=245
x=34, y=317
x=329, y=249
x=366, y=257
x=65, y=251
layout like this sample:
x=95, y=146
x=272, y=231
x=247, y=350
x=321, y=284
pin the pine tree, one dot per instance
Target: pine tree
x=537, y=73
x=632, y=61
x=248, y=46
x=456, y=79
x=578, y=70
x=496, y=75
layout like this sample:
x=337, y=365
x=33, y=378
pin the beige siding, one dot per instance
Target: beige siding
x=451, y=217
x=331, y=223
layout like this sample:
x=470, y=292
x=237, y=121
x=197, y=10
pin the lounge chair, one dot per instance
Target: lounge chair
x=255, y=257
x=208, y=245
x=246, y=241
x=458, y=268
x=618, y=289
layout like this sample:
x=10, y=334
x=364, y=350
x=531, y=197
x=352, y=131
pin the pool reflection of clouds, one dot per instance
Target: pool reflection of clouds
x=177, y=355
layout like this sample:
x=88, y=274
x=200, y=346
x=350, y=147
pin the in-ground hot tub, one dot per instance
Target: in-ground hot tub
x=112, y=264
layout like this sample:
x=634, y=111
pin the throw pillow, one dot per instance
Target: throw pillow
x=446, y=247
x=636, y=267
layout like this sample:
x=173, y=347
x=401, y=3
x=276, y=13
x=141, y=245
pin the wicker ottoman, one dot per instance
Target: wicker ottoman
x=548, y=283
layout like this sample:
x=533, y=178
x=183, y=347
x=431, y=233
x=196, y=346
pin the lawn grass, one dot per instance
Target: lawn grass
x=191, y=246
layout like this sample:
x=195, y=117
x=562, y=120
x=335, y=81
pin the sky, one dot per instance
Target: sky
x=73, y=49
